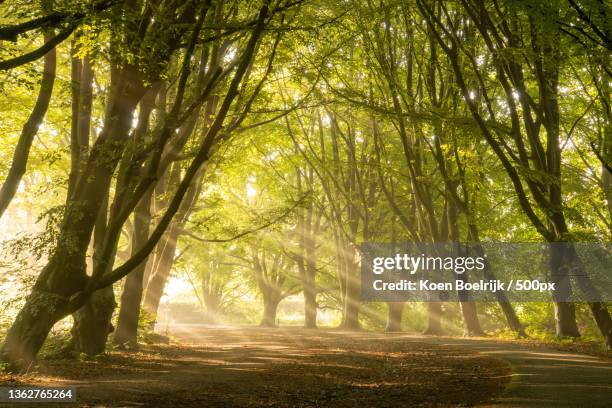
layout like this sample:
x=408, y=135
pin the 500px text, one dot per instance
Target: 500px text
x=487, y=286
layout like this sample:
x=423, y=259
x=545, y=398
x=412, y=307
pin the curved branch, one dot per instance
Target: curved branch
x=39, y=52
x=246, y=232
x=22, y=150
x=607, y=165
x=10, y=33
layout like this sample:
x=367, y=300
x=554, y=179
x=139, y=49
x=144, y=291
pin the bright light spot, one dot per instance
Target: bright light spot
x=251, y=191
x=326, y=120
x=229, y=56
x=472, y=95
x=176, y=286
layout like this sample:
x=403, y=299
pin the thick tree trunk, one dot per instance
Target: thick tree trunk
x=471, y=325
x=269, y=314
x=126, y=334
x=565, y=312
x=565, y=320
x=30, y=329
x=351, y=304
x=92, y=323
x=434, y=315
x=604, y=323
x=394, y=316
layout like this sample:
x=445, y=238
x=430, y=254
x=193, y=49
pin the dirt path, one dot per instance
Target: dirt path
x=544, y=377
x=290, y=367
x=252, y=367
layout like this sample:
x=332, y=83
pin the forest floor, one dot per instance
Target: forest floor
x=543, y=376
x=254, y=367
x=291, y=367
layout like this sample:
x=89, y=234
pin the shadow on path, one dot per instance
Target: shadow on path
x=542, y=377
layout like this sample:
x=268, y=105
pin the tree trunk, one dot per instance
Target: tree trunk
x=310, y=304
x=434, y=315
x=126, y=334
x=92, y=323
x=30, y=128
x=351, y=304
x=511, y=317
x=602, y=318
x=606, y=175
x=394, y=316
x=270, y=308
x=598, y=309
x=310, y=287
x=565, y=312
x=30, y=329
x=212, y=301
x=351, y=287
x=471, y=325
x=160, y=274
x=565, y=320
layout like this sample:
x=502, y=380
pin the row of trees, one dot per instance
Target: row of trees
x=391, y=121
x=190, y=72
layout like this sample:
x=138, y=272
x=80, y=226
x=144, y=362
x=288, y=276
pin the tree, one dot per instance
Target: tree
x=533, y=122
x=63, y=285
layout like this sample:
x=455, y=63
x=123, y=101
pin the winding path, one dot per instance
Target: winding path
x=252, y=367
x=540, y=377
x=544, y=377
